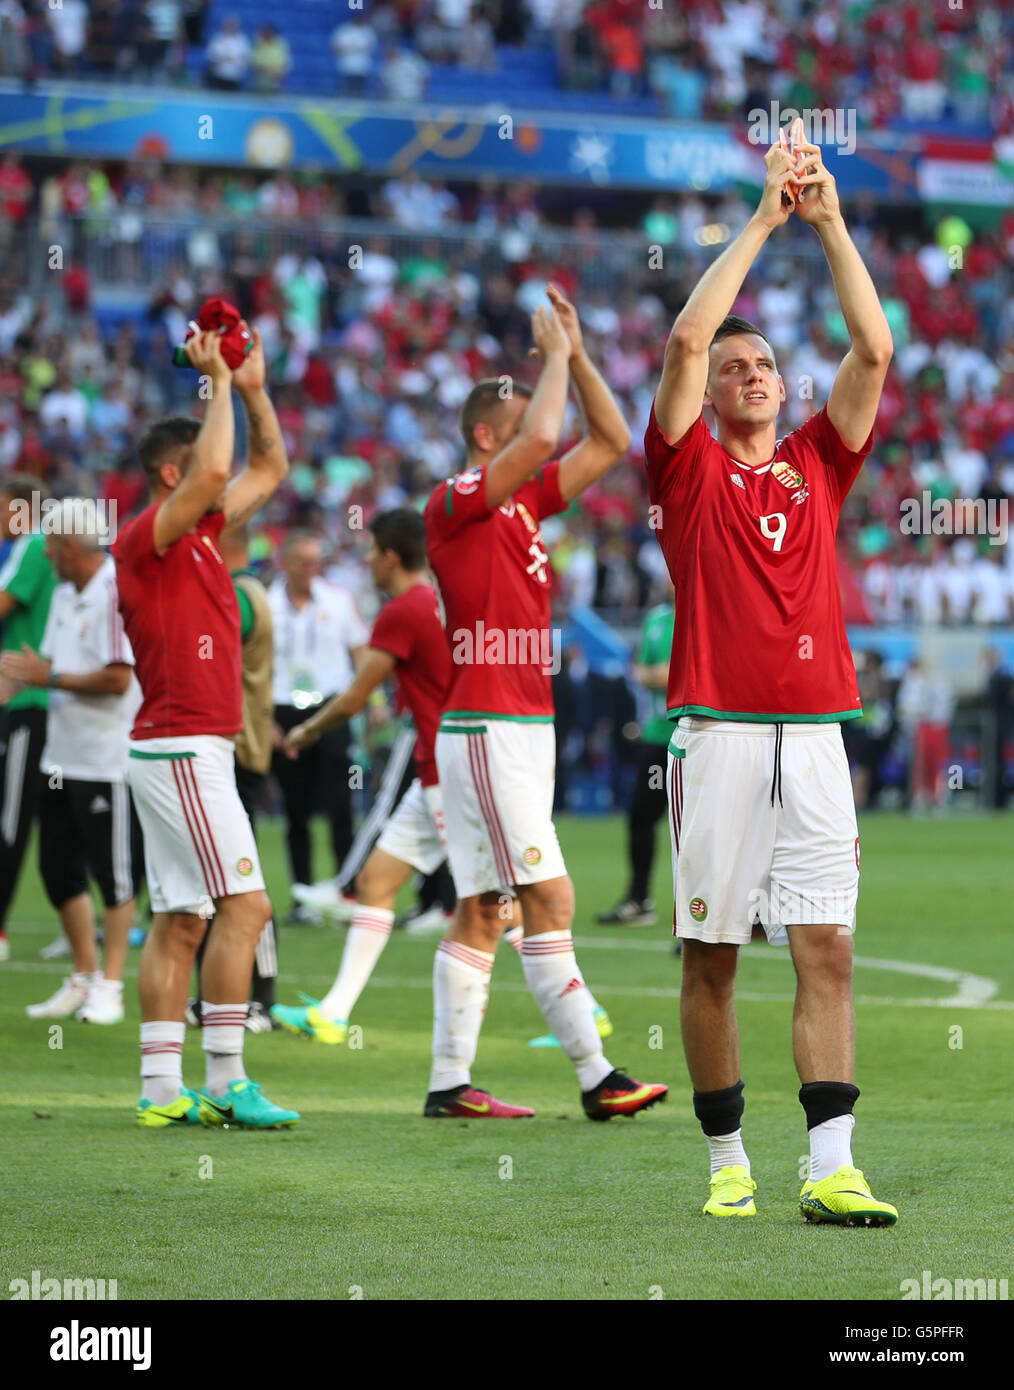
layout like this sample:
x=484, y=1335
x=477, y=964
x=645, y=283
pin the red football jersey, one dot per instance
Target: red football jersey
x=409, y=629
x=182, y=619
x=751, y=550
x=495, y=580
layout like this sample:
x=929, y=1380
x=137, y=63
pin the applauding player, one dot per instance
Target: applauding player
x=763, y=821
x=181, y=616
x=496, y=748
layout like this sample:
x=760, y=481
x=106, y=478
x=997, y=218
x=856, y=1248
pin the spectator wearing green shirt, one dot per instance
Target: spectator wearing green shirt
x=649, y=803
x=27, y=581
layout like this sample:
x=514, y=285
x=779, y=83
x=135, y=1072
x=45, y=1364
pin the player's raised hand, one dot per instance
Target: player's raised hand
x=549, y=334
x=776, y=205
x=817, y=195
x=567, y=315
x=251, y=373
x=204, y=353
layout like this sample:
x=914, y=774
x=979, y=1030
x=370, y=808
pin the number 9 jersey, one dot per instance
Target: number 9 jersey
x=760, y=634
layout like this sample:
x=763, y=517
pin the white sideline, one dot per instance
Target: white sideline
x=957, y=1001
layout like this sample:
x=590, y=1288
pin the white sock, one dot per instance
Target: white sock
x=555, y=981
x=516, y=936
x=831, y=1146
x=367, y=937
x=727, y=1149
x=223, y=1029
x=460, y=991
x=111, y=985
x=161, y=1061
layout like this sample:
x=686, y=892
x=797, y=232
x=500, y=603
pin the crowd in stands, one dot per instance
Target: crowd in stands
x=909, y=59
x=374, y=340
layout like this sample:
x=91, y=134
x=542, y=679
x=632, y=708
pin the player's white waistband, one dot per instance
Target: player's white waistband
x=179, y=744
x=702, y=724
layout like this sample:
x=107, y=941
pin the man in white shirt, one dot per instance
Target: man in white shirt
x=319, y=635
x=68, y=24
x=65, y=405
x=87, y=829
x=992, y=590
x=353, y=43
x=228, y=56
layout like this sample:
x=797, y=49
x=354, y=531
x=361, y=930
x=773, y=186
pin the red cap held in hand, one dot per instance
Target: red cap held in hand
x=218, y=315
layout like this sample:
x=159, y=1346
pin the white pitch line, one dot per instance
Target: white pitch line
x=973, y=991
x=630, y=991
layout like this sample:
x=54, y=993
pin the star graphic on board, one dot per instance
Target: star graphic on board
x=591, y=155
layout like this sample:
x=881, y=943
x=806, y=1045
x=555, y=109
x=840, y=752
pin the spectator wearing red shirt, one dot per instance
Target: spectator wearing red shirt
x=922, y=92
x=15, y=200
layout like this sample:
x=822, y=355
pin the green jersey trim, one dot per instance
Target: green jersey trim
x=159, y=757
x=676, y=752
x=765, y=718
x=462, y=729
x=485, y=714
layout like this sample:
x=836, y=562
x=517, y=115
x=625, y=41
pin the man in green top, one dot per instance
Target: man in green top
x=27, y=581
x=651, y=669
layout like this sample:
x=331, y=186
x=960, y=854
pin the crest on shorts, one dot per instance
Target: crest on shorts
x=698, y=909
x=244, y=866
x=532, y=855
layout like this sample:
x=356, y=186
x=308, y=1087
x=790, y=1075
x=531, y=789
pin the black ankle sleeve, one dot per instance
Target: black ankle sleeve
x=720, y=1112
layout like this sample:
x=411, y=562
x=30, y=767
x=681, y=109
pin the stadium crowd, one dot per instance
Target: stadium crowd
x=703, y=58
x=373, y=351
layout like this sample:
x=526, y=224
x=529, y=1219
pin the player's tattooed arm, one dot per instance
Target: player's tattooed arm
x=236, y=515
x=267, y=463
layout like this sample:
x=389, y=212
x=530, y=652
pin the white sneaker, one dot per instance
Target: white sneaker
x=432, y=920
x=104, y=1003
x=66, y=1001
x=325, y=897
x=56, y=949
x=5, y=948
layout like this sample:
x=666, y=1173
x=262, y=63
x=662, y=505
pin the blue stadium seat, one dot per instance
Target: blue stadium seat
x=307, y=26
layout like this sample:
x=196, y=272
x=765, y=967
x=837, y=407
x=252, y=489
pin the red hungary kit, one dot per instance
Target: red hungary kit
x=494, y=578
x=759, y=630
x=182, y=619
x=408, y=628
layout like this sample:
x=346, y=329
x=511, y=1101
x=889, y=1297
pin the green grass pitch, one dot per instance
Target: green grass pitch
x=365, y=1198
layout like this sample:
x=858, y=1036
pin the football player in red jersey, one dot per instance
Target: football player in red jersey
x=762, y=815
x=496, y=744
x=180, y=612
x=408, y=644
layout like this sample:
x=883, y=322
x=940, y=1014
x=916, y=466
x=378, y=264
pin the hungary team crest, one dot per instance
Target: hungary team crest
x=698, y=909
x=244, y=866
x=790, y=478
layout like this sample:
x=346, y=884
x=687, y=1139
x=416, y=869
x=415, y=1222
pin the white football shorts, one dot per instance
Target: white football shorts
x=739, y=859
x=415, y=832
x=198, y=843
x=497, y=777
